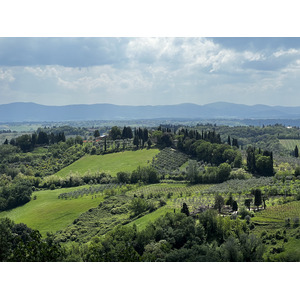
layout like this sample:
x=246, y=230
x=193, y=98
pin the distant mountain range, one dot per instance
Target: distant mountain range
x=32, y=112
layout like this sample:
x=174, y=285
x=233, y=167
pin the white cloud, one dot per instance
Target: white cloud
x=6, y=75
x=286, y=52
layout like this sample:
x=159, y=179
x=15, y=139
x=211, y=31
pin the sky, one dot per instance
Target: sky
x=150, y=71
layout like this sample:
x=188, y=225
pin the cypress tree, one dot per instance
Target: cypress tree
x=257, y=198
x=234, y=206
x=229, y=141
x=185, y=209
x=296, y=151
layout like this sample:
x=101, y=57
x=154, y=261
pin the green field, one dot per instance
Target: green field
x=142, y=222
x=290, y=144
x=278, y=213
x=48, y=213
x=111, y=163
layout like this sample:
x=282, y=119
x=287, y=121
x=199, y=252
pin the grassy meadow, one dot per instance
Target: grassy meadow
x=111, y=163
x=48, y=213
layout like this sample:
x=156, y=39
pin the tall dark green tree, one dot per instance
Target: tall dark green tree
x=105, y=144
x=234, y=206
x=296, y=151
x=230, y=200
x=185, y=209
x=248, y=202
x=136, y=141
x=115, y=133
x=257, y=198
x=42, y=138
x=235, y=143
x=229, y=141
x=24, y=142
x=96, y=133
x=127, y=133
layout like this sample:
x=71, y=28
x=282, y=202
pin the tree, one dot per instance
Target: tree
x=12, y=142
x=127, y=133
x=20, y=243
x=251, y=160
x=229, y=141
x=230, y=200
x=96, y=133
x=185, y=209
x=264, y=199
x=296, y=151
x=105, y=144
x=264, y=165
x=234, y=206
x=123, y=177
x=136, y=141
x=78, y=140
x=248, y=203
x=235, y=143
x=165, y=140
x=138, y=206
x=224, y=172
x=42, y=138
x=115, y=133
x=297, y=171
x=257, y=198
x=192, y=171
x=24, y=142
x=149, y=143
x=219, y=202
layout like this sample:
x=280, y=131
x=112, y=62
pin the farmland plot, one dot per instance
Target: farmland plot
x=290, y=144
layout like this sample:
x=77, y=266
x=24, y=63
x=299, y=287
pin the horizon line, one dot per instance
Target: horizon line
x=147, y=105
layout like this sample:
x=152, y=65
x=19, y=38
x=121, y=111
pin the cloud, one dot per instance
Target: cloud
x=146, y=70
x=6, y=76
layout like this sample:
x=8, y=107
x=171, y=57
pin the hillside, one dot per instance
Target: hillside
x=20, y=111
x=110, y=163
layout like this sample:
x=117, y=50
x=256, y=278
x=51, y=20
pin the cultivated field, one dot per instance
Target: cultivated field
x=290, y=144
x=279, y=213
x=111, y=163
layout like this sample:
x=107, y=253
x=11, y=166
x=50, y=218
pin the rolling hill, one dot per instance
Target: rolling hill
x=28, y=111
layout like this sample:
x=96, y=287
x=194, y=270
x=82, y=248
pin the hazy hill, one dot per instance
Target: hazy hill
x=20, y=111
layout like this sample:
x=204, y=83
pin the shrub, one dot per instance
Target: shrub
x=248, y=218
x=243, y=212
x=273, y=241
x=123, y=177
x=263, y=233
x=162, y=202
x=296, y=221
x=138, y=206
x=278, y=235
x=287, y=222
